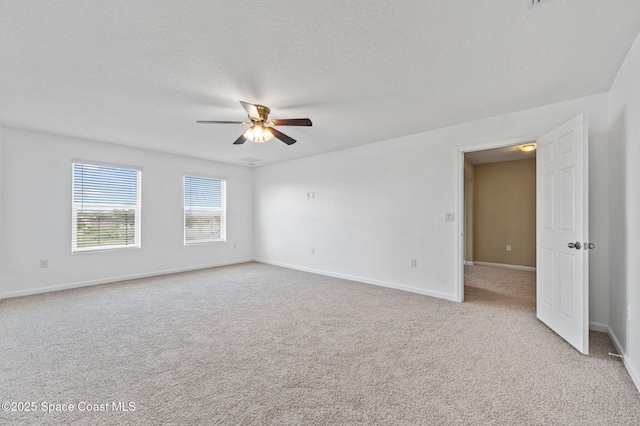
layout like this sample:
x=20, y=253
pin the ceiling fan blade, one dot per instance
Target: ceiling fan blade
x=240, y=140
x=284, y=138
x=220, y=122
x=292, y=122
x=252, y=111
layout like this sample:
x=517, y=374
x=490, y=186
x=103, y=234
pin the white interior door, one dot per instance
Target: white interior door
x=562, y=230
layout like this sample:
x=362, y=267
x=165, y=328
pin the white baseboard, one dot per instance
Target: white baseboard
x=615, y=341
x=468, y=263
x=19, y=293
x=600, y=328
x=504, y=265
x=437, y=294
x=633, y=372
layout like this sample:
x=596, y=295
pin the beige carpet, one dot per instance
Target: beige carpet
x=257, y=344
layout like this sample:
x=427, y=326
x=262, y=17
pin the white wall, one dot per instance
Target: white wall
x=624, y=119
x=378, y=206
x=1, y=284
x=36, y=214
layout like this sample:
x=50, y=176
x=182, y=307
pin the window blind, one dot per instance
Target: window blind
x=106, y=208
x=204, y=209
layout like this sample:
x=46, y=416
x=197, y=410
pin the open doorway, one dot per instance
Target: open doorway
x=500, y=225
x=562, y=225
x=498, y=206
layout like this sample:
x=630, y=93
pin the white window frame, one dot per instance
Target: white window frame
x=75, y=207
x=221, y=211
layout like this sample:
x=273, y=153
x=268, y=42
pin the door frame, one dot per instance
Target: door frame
x=461, y=217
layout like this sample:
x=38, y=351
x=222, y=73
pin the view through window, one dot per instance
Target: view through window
x=106, y=208
x=204, y=209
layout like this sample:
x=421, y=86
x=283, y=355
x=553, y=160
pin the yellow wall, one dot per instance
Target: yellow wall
x=504, y=212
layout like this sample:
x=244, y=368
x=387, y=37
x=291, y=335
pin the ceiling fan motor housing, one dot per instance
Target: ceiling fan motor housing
x=263, y=112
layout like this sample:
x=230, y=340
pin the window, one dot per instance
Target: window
x=204, y=210
x=106, y=208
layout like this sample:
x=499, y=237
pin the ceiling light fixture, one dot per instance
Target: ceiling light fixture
x=262, y=129
x=258, y=132
x=528, y=147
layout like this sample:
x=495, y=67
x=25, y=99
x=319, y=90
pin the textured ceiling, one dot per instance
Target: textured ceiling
x=141, y=72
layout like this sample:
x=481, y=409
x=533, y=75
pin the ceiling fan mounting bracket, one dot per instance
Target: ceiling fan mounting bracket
x=263, y=112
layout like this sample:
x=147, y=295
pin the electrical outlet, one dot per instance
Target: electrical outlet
x=508, y=247
x=44, y=263
x=449, y=217
x=313, y=251
x=414, y=263
x=234, y=245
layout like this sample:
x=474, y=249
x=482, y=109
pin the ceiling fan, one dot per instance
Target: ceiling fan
x=262, y=129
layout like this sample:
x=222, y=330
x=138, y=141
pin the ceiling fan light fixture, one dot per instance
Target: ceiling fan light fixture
x=261, y=130
x=267, y=134
x=258, y=133
x=528, y=147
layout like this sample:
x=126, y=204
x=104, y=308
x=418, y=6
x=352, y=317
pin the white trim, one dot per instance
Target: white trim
x=505, y=265
x=600, y=328
x=633, y=373
x=615, y=341
x=137, y=210
x=1, y=260
x=460, y=240
x=222, y=210
x=106, y=164
x=468, y=263
x=105, y=248
x=630, y=369
x=203, y=176
x=461, y=218
x=437, y=294
x=89, y=283
x=500, y=143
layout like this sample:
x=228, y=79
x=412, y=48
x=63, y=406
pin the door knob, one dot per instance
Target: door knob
x=575, y=245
